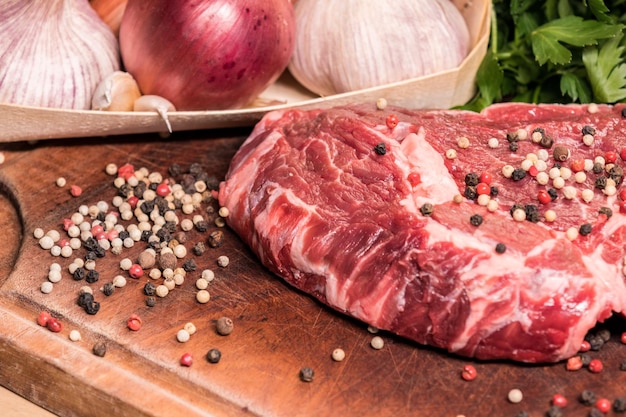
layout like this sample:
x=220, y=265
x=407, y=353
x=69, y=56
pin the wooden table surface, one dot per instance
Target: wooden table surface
x=277, y=330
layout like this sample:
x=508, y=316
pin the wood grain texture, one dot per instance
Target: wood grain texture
x=278, y=330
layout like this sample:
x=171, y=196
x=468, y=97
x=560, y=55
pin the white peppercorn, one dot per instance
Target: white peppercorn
x=203, y=296
x=46, y=287
x=182, y=336
x=377, y=342
x=223, y=261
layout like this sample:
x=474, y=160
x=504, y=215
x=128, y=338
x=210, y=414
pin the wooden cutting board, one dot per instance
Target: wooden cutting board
x=278, y=330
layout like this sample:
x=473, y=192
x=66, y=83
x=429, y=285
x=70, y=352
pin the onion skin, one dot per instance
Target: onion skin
x=207, y=54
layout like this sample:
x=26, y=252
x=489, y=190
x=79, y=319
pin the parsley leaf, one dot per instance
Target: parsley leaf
x=606, y=71
x=547, y=40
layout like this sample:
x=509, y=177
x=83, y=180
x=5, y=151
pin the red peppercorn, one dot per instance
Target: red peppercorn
x=75, y=190
x=533, y=171
x=132, y=201
x=622, y=194
x=622, y=207
x=96, y=230
x=469, y=373
x=574, y=363
x=134, y=322
x=135, y=271
x=43, y=318
x=559, y=400
x=67, y=223
x=585, y=346
x=163, y=190
x=392, y=121
x=610, y=157
x=623, y=338
x=577, y=165
x=486, y=177
x=112, y=234
x=603, y=404
x=64, y=242
x=596, y=366
x=126, y=171
x=482, y=188
x=186, y=359
x=54, y=325
x=622, y=154
x=414, y=178
x=544, y=197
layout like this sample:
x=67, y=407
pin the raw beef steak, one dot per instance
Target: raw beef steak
x=492, y=235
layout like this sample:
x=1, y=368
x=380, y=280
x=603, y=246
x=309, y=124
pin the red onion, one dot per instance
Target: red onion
x=207, y=54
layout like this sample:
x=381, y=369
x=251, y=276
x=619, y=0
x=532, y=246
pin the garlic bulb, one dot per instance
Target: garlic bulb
x=53, y=53
x=348, y=45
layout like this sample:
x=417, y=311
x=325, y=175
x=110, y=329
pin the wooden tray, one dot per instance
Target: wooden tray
x=441, y=90
x=277, y=330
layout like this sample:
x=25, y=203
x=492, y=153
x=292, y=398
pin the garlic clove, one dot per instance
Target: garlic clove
x=161, y=105
x=111, y=12
x=117, y=92
x=53, y=53
x=349, y=45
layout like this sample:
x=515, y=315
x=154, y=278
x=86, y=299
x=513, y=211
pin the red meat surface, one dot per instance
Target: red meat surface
x=323, y=207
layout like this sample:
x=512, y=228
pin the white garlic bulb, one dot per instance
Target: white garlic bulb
x=348, y=45
x=53, y=53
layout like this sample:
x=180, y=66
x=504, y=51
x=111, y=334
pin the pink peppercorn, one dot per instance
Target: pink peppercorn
x=623, y=338
x=64, y=242
x=186, y=359
x=596, y=366
x=112, y=234
x=163, y=190
x=469, y=373
x=126, y=171
x=136, y=271
x=134, y=322
x=533, y=171
x=132, y=201
x=43, y=318
x=610, y=157
x=559, y=400
x=54, y=325
x=603, y=404
x=486, y=177
x=585, y=346
x=67, y=223
x=622, y=154
x=574, y=363
x=392, y=121
x=622, y=207
x=75, y=190
x=96, y=230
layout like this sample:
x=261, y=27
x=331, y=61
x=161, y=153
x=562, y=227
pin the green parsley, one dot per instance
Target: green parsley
x=554, y=51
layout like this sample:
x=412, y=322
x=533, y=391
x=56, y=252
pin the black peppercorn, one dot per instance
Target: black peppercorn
x=512, y=137
x=108, y=289
x=79, y=274
x=585, y=229
x=125, y=191
x=595, y=412
x=175, y=170
x=150, y=301
x=145, y=235
x=532, y=213
x=597, y=168
x=213, y=355
x=216, y=239
x=149, y=288
x=624, y=112
x=92, y=276
x=84, y=298
x=587, y=397
x=123, y=234
x=554, y=411
x=616, y=173
x=561, y=153
x=470, y=193
x=426, y=209
x=92, y=308
x=380, y=149
x=546, y=141
x=139, y=189
x=588, y=130
x=600, y=183
x=99, y=349
x=606, y=211
x=513, y=146
x=147, y=206
x=585, y=359
x=199, y=248
x=604, y=334
x=518, y=174
x=472, y=179
x=500, y=248
x=202, y=226
x=189, y=265
x=90, y=256
x=306, y=374
x=476, y=220
x=553, y=194
x=493, y=191
x=619, y=405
